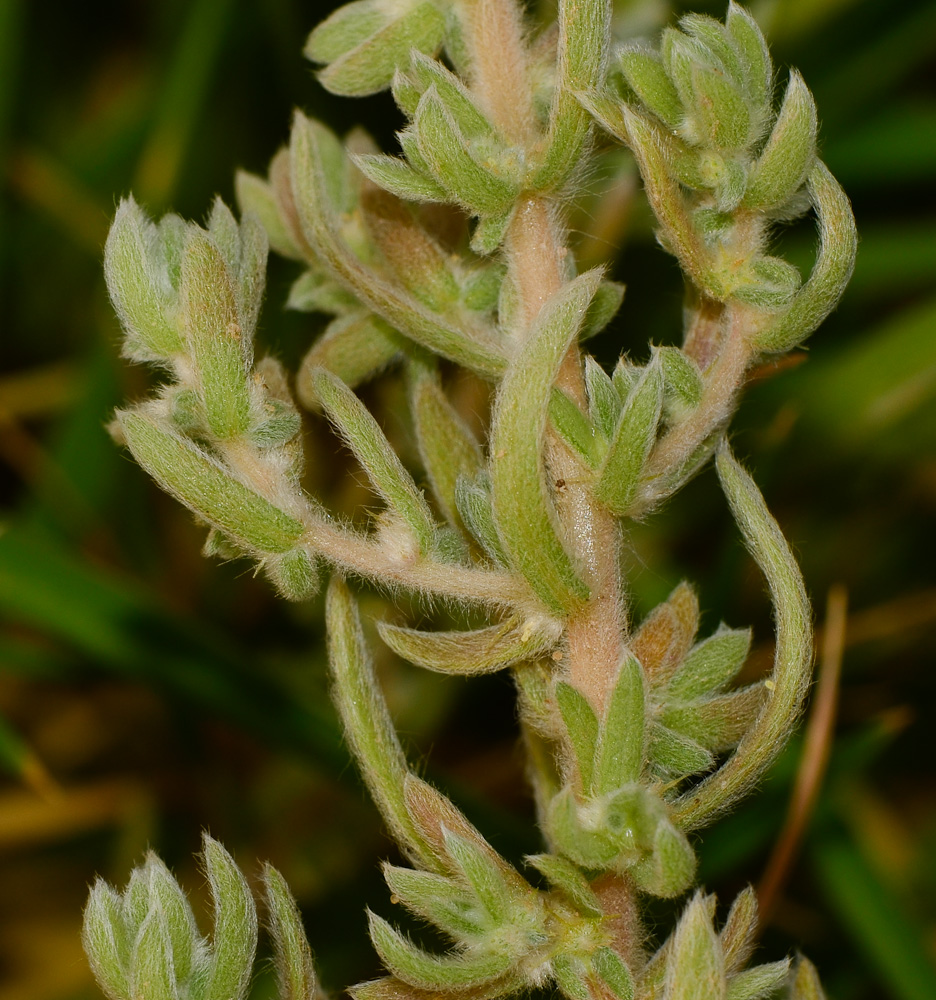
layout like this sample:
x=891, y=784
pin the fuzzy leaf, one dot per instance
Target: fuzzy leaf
x=760, y=982
x=677, y=232
x=454, y=95
x=739, y=934
x=256, y=197
x=478, y=652
x=371, y=448
x=568, y=880
x=604, y=307
x=792, y=661
x=786, y=160
x=575, y=429
x=806, y=985
x=670, y=868
x=570, y=973
x=769, y=283
x=392, y=988
x=205, y=486
x=448, y=154
x=151, y=973
x=396, y=307
x=139, y=285
x=835, y=261
x=208, y=304
x=723, y=53
x=677, y=754
x=354, y=348
x=420, y=264
x=695, y=970
x=438, y=900
x=581, y=724
x=473, y=500
x=584, y=35
x=619, y=481
x=446, y=445
x=481, y=288
x=367, y=724
x=314, y=291
x=296, y=575
x=344, y=29
x=614, y=973
x=711, y=664
x=723, y=116
x=752, y=52
x=179, y=922
x=523, y=511
x=433, y=972
x=437, y=819
x=682, y=382
x=489, y=232
x=646, y=76
x=234, y=939
x=399, y=178
x=478, y=870
x=105, y=940
x=295, y=974
x=666, y=634
x=604, y=403
x=625, y=377
x=717, y=723
x=620, y=755
x=363, y=47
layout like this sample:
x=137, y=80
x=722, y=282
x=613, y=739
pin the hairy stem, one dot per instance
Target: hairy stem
x=379, y=563
x=500, y=74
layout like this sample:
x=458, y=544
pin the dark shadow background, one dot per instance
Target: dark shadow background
x=146, y=694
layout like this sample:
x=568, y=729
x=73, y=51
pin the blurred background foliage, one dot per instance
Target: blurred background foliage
x=146, y=694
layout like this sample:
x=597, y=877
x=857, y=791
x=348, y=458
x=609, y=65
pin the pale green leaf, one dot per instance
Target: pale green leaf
x=523, y=510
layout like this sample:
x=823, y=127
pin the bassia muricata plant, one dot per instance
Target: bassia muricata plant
x=634, y=733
